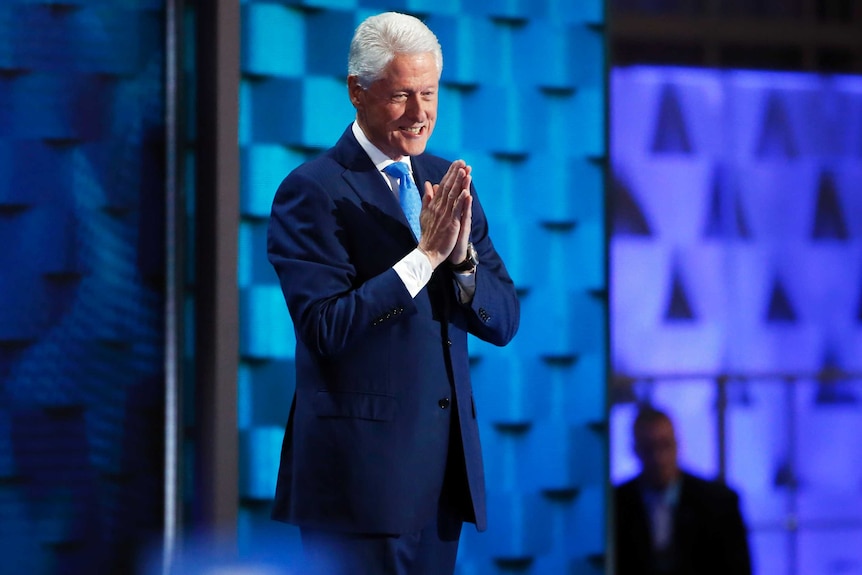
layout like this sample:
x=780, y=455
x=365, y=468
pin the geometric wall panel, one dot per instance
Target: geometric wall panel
x=82, y=302
x=736, y=270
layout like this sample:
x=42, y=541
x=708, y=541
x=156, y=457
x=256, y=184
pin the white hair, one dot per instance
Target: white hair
x=378, y=39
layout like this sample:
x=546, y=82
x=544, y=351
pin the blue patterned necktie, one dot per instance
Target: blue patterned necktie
x=408, y=195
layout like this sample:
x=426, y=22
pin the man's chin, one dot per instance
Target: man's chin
x=414, y=149
x=411, y=146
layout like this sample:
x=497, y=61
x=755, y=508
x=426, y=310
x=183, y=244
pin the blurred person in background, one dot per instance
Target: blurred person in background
x=671, y=522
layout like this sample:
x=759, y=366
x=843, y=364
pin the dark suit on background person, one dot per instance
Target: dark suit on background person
x=709, y=535
x=671, y=522
x=382, y=448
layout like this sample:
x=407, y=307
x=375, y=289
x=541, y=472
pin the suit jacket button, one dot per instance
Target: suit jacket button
x=443, y=403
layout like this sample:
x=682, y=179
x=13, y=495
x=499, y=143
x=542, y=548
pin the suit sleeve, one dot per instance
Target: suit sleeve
x=494, y=312
x=330, y=304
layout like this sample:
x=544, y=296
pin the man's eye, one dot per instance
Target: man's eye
x=399, y=97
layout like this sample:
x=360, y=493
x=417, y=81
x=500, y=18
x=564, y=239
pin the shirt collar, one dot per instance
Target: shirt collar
x=669, y=495
x=380, y=159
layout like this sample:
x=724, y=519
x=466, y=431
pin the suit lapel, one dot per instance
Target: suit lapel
x=368, y=184
x=424, y=169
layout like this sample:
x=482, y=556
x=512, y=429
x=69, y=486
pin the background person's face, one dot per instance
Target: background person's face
x=397, y=112
x=656, y=448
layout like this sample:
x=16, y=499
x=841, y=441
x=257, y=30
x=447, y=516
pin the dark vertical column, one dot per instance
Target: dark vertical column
x=217, y=221
x=721, y=424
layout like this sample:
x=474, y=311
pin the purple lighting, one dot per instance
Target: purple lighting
x=736, y=259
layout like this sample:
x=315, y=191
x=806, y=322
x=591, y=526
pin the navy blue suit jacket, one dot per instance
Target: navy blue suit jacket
x=366, y=443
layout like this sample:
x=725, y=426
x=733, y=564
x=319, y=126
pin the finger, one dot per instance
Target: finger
x=457, y=192
x=467, y=212
x=458, y=184
x=462, y=206
x=452, y=190
x=430, y=193
x=458, y=164
x=465, y=199
x=452, y=173
x=437, y=196
x=449, y=177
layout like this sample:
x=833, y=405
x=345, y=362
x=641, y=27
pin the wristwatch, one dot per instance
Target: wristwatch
x=470, y=262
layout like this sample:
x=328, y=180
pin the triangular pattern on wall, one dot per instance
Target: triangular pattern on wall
x=671, y=131
x=832, y=390
x=784, y=474
x=776, y=132
x=678, y=306
x=628, y=217
x=780, y=309
x=742, y=229
x=717, y=226
x=739, y=394
x=829, y=221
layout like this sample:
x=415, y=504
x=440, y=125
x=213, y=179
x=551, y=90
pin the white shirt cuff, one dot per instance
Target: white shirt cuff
x=415, y=271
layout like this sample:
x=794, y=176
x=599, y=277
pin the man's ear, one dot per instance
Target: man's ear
x=355, y=91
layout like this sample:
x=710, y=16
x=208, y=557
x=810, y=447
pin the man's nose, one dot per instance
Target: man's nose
x=416, y=108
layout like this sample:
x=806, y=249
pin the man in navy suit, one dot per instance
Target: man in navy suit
x=381, y=462
x=670, y=522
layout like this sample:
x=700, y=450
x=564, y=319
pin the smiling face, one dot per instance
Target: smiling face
x=397, y=112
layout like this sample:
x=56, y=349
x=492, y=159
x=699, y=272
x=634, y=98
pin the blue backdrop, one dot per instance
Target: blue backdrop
x=81, y=284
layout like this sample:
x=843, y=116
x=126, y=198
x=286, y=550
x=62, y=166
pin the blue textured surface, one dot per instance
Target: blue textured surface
x=81, y=302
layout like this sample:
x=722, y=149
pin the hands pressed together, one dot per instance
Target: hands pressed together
x=446, y=216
